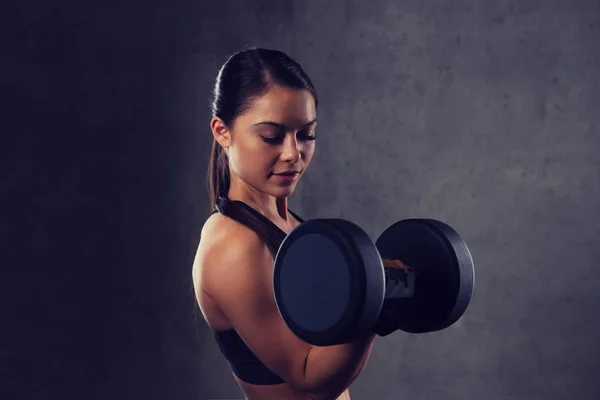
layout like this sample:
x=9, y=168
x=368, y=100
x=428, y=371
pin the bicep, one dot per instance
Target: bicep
x=240, y=283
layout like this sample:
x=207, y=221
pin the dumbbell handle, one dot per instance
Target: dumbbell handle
x=399, y=284
x=399, y=280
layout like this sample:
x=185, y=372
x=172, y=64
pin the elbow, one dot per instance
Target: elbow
x=322, y=382
x=308, y=390
x=306, y=385
x=324, y=394
x=321, y=390
x=303, y=383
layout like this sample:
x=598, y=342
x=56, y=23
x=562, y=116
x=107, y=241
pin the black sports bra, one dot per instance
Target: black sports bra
x=243, y=362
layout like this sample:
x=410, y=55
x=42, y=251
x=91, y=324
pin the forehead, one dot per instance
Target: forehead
x=284, y=105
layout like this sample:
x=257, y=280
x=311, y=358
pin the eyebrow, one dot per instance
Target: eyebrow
x=278, y=125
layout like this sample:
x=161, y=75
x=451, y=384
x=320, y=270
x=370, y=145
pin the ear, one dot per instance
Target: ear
x=220, y=132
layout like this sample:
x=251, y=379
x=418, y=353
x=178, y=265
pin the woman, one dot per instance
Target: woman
x=264, y=128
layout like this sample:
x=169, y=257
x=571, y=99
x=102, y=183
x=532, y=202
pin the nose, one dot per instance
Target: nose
x=291, y=151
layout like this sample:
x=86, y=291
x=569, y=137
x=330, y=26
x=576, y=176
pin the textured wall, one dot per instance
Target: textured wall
x=484, y=115
x=481, y=114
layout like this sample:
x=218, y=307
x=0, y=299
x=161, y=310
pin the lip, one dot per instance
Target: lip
x=287, y=177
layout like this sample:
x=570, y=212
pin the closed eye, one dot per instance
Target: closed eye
x=306, y=138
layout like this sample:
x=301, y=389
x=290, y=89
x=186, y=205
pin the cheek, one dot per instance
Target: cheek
x=308, y=152
x=253, y=160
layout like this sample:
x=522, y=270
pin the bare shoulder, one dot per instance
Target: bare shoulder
x=224, y=241
x=234, y=275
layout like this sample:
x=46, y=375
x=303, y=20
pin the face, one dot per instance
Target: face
x=277, y=134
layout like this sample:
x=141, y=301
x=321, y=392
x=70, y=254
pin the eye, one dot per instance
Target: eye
x=307, y=137
x=271, y=140
x=303, y=137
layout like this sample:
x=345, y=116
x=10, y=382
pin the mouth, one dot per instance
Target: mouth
x=287, y=177
x=288, y=173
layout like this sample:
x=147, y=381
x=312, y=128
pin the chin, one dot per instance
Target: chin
x=284, y=192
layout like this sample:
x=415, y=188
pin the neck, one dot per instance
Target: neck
x=269, y=206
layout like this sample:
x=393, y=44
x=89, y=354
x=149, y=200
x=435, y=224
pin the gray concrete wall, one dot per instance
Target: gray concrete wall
x=484, y=115
x=481, y=114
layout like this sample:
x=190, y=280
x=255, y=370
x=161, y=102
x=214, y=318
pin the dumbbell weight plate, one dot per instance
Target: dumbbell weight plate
x=444, y=273
x=328, y=281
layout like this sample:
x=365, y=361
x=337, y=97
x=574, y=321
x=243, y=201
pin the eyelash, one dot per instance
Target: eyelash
x=276, y=140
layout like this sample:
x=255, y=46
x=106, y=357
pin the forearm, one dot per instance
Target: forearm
x=332, y=369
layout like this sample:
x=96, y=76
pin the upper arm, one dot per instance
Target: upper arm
x=238, y=275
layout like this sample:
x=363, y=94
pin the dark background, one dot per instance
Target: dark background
x=482, y=114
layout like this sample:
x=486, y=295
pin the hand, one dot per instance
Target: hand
x=395, y=264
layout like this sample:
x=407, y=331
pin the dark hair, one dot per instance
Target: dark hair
x=245, y=76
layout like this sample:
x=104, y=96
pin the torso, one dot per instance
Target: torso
x=217, y=227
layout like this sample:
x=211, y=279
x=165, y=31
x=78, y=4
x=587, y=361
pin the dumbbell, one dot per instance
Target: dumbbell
x=331, y=286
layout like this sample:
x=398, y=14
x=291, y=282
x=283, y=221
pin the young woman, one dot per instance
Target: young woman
x=264, y=127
